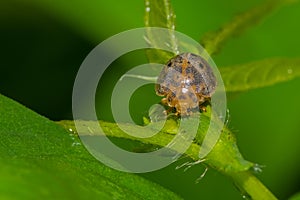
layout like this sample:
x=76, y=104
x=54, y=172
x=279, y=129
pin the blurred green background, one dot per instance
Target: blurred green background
x=43, y=43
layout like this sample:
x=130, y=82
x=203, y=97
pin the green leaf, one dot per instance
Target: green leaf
x=295, y=197
x=214, y=41
x=41, y=160
x=260, y=73
x=159, y=13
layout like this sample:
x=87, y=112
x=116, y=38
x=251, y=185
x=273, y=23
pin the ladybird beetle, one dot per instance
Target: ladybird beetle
x=186, y=81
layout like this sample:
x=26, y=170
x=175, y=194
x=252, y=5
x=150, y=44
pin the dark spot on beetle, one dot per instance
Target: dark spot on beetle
x=178, y=68
x=201, y=65
x=189, y=110
x=198, y=78
x=188, y=70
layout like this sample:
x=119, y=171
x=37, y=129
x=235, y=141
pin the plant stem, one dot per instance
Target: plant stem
x=251, y=186
x=224, y=157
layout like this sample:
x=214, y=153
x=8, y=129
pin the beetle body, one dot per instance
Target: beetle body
x=186, y=81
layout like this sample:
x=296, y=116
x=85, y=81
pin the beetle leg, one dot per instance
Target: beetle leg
x=164, y=101
x=202, y=108
x=203, y=103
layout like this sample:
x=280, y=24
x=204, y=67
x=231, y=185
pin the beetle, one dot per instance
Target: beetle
x=186, y=81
